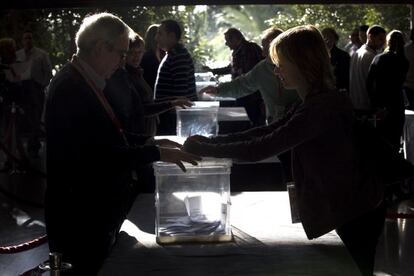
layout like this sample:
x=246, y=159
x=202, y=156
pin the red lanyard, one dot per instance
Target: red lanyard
x=102, y=99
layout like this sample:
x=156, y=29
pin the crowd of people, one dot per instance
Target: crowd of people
x=24, y=76
x=303, y=94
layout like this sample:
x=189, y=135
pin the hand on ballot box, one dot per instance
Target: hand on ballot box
x=166, y=143
x=199, y=138
x=211, y=90
x=182, y=102
x=196, y=144
x=177, y=157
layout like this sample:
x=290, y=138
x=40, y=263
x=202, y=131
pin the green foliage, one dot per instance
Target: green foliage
x=55, y=29
x=344, y=18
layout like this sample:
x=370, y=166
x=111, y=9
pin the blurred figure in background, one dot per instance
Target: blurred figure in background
x=385, y=80
x=409, y=81
x=11, y=109
x=354, y=43
x=151, y=107
x=152, y=56
x=362, y=34
x=261, y=78
x=245, y=55
x=339, y=59
x=276, y=98
x=39, y=73
x=359, y=68
x=175, y=75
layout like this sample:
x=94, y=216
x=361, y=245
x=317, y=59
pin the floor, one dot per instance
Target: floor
x=21, y=220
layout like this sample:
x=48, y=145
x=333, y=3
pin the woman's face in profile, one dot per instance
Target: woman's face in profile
x=134, y=56
x=287, y=72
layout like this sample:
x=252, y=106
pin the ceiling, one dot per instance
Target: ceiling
x=37, y=4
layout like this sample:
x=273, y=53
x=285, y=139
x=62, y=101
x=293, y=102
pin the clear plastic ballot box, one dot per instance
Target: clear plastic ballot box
x=199, y=119
x=193, y=206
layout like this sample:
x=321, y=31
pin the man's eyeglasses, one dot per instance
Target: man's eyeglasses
x=122, y=53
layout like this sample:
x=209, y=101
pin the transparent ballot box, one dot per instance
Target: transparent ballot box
x=200, y=119
x=193, y=206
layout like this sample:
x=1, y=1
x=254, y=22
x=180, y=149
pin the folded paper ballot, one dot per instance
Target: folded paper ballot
x=186, y=226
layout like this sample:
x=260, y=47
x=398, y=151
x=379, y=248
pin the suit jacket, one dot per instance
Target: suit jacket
x=88, y=170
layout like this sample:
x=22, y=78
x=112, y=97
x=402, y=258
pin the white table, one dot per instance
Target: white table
x=408, y=135
x=265, y=243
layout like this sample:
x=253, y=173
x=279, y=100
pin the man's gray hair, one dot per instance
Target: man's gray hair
x=101, y=26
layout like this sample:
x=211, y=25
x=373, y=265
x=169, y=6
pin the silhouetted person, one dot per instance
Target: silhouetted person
x=409, y=81
x=339, y=59
x=175, y=74
x=89, y=155
x=362, y=33
x=385, y=88
x=360, y=63
x=336, y=189
x=245, y=55
x=152, y=56
x=354, y=43
x=38, y=77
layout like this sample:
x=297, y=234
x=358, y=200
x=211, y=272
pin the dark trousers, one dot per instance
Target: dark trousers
x=254, y=106
x=168, y=123
x=360, y=237
x=34, y=102
x=286, y=162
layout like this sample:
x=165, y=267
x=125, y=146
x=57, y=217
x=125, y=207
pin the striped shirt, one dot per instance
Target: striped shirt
x=176, y=75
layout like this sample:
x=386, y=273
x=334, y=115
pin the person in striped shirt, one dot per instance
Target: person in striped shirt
x=175, y=73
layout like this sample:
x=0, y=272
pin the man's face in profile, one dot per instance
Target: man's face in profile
x=27, y=41
x=231, y=42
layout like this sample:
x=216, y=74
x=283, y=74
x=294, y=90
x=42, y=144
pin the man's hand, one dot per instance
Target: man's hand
x=205, y=68
x=212, y=90
x=198, y=138
x=197, y=144
x=167, y=143
x=182, y=102
x=177, y=156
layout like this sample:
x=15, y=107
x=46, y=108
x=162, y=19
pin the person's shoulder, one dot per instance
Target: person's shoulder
x=343, y=53
x=264, y=65
x=364, y=50
x=252, y=45
x=40, y=51
x=180, y=53
x=329, y=99
x=20, y=55
x=67, y=78
x=379, y=58
x=409, y=46
x=387, y=58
